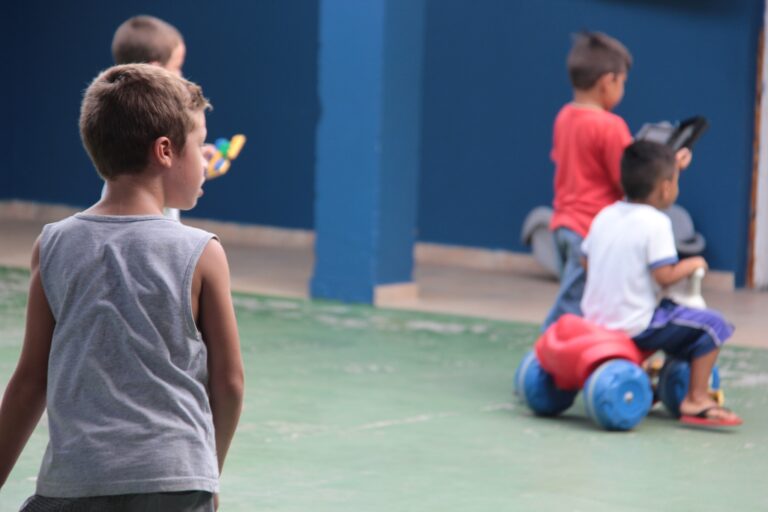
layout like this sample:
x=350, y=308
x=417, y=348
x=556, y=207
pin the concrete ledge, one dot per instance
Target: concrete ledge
x=473, y=257
x=255, y=236
x=245, y=234
x=265, y=236
x=395, y=294
x=720, y=281
x=31, y=211
x=508, y=261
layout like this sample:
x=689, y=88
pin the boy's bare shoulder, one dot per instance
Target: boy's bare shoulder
x=213, y=260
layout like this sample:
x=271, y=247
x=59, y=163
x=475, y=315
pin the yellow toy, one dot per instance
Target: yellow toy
x=226, y=151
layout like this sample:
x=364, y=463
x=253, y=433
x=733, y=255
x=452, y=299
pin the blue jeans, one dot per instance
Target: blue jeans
x=573, y=277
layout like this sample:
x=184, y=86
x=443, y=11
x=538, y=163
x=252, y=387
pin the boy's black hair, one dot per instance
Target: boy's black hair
x=643, y=164
x=594, y=54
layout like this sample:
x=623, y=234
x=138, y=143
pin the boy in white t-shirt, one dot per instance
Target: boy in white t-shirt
x=630, y=250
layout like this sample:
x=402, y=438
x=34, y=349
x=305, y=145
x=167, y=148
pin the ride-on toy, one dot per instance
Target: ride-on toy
x=619, y=389
x=573, y=354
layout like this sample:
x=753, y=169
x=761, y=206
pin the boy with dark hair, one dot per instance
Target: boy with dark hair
x=131, y=339
x=594, y=55
x=588, y=142
x=630, y=250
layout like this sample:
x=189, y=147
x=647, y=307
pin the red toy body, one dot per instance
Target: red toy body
x=572, y=348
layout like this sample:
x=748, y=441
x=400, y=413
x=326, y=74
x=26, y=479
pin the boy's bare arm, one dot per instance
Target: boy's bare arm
x=216, y=319
x=670, y=274
x=24, y=399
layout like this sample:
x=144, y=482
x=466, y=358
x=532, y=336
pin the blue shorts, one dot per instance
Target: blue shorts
x=684, y=333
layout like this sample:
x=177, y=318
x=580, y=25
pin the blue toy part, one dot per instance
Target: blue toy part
x=222, y=145
x=618, y=395
x=219, y=164
x=537, y=388
x=714, y=379
x=674, y=378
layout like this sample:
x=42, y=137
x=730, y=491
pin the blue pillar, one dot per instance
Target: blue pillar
x=370, y=61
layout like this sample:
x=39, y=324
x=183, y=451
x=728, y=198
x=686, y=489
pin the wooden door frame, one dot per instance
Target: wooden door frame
x=757, y=255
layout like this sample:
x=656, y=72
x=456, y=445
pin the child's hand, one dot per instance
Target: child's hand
x=695, y=263
x=208, y=151
x=667, y=275
x=683, y=158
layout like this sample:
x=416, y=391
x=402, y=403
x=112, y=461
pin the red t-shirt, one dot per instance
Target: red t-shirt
x=587, y=147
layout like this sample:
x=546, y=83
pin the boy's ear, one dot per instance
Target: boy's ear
x=162, y=151
x=606, y=80
x=666, y=188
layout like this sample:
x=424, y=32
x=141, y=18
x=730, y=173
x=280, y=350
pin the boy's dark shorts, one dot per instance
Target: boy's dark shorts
x=188, y=501
x=683, y=332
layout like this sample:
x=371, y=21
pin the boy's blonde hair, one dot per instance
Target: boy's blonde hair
x=127, y=107
x=145, y=39
x=594, y=54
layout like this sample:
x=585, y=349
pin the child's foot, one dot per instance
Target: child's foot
x=710, y=416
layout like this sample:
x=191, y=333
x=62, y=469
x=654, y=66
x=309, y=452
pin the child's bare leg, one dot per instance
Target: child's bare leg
x=698, y=397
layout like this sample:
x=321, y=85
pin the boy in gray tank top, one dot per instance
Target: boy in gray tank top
x=131, y=340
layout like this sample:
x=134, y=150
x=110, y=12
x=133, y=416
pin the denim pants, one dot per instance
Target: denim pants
x=573, y=277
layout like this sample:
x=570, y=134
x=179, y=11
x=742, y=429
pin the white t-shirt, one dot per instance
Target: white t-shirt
x=626, y=241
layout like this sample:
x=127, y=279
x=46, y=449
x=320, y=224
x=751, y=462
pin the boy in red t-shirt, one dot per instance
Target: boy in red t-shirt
x=588, y=143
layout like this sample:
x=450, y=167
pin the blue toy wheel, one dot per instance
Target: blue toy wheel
x=674, y=378
x=537, y=388
x=517, y=385
x=618, y=395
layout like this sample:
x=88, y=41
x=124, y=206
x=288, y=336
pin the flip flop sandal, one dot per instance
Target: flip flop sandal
x=704, y=419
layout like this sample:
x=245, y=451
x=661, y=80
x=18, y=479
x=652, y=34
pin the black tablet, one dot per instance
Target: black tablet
x=680, y=135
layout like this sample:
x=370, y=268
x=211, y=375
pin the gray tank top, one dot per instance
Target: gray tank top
x=128, y=408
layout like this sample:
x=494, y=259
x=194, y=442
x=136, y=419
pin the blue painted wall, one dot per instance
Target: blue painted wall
x=255, y=60
x=6, y=132
x=495, y=77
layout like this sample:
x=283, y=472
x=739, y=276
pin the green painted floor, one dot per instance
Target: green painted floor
x=361, y=409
